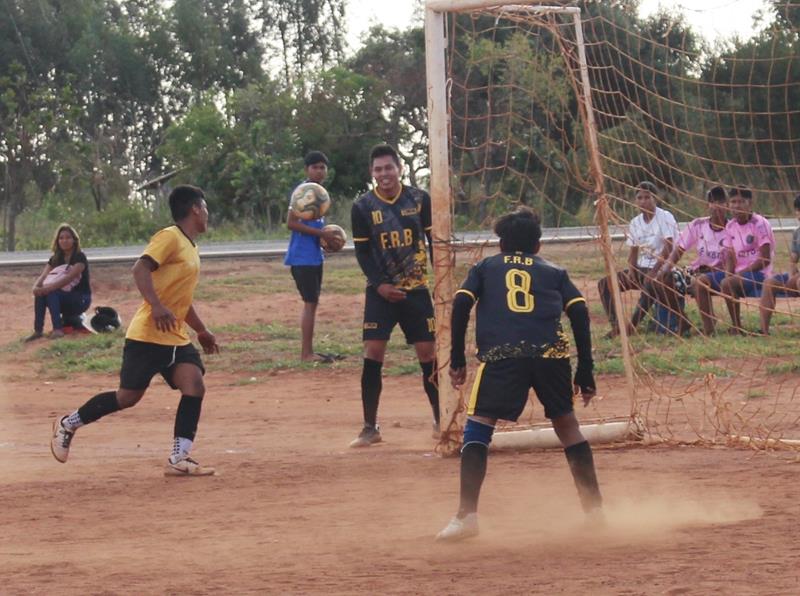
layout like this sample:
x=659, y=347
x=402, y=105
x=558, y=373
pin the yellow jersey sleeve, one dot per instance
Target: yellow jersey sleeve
x=162, y=246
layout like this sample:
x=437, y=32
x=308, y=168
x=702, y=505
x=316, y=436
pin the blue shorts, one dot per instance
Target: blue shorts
x=714, y=279
x=752, y=282
x=783, y=279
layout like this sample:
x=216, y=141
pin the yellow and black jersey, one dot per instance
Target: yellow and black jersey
x=178, y=269
x=520, y=300
x=395, y=230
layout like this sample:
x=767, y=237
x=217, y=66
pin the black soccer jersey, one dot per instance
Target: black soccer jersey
x=520, y=300
x=395, y=230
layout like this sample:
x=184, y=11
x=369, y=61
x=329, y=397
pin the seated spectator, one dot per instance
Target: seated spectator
x=63, y=287
x=749, y=252
x=707, y=236
x=783, y=284
x=650, y=238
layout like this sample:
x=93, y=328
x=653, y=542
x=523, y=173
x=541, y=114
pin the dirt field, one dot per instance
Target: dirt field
x=294, y=511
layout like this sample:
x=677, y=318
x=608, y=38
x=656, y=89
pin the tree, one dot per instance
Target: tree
x=307, y=33
x=394, y=60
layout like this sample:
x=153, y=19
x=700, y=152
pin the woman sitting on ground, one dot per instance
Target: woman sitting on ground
x=63, y=287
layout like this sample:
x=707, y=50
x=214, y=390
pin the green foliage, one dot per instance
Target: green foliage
x=99, y=96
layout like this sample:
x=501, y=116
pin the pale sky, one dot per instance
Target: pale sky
x=712, y=18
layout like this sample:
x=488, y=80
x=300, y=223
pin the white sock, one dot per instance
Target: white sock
x=72, y=422
x=181, y=447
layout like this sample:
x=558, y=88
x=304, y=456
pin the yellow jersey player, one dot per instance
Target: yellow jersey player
x=157, y=340
x=390, y=225
x=521, y=345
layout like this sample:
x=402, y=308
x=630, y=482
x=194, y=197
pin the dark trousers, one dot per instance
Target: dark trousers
x=629, y=279
x=61, y=304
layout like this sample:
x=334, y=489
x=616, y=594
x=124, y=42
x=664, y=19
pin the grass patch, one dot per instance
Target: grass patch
x=259, y=348
x=341, y=276
x=101, y=353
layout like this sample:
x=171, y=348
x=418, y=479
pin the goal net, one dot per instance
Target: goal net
x=567, y=108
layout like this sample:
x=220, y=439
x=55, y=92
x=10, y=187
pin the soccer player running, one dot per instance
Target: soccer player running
x=783, y=284
x=157, y=340
x=390, y=224
x=749, y=253
x=520, y=298
x=707, y=235
x=304, y=257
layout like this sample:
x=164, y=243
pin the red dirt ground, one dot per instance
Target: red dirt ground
x=294, y=511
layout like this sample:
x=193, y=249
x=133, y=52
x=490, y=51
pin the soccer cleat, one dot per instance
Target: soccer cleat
x=60, y=441
x=459, y=529
x=368, y=436
x=187, y=467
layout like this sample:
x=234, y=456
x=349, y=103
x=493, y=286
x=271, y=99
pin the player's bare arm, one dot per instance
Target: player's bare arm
x=40, y=280
x=663, y=258
x=763, y=261
x=295, y=224
x=673, y=259
x=207, y=339
x=633, y=257
x=143, y=276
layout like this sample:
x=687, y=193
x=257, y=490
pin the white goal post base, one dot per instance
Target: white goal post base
x=758, y=443
x=545, y=437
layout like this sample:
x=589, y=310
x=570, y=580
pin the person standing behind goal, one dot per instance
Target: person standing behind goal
x=157, y=340
x=390, y=224
x=304, y=257
x=521, y=345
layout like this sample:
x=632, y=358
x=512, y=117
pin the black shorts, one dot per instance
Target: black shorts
x=308, y=279
x=415, y=315
x=141, y=361
x=501, y=388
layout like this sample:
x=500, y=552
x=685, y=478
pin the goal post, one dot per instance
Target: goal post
x=451, y=402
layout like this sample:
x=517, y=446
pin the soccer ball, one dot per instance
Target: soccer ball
x=310, y=201
x=341, y=238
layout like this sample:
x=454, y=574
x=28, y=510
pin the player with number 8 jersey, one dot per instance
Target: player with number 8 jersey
x=520, y=298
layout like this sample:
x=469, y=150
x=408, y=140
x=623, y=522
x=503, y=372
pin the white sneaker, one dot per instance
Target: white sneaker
x=187, y=467
x=368, y=436
x=459, y=529
x=61, y=439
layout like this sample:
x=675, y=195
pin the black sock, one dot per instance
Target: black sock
x=100, y=405
x=430, y=381
x=473, y=471
x=187, y=416
x=581, y=464
x=371, y=385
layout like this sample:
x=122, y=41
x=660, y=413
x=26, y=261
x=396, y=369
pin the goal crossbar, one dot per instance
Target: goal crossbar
x=467, y=5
